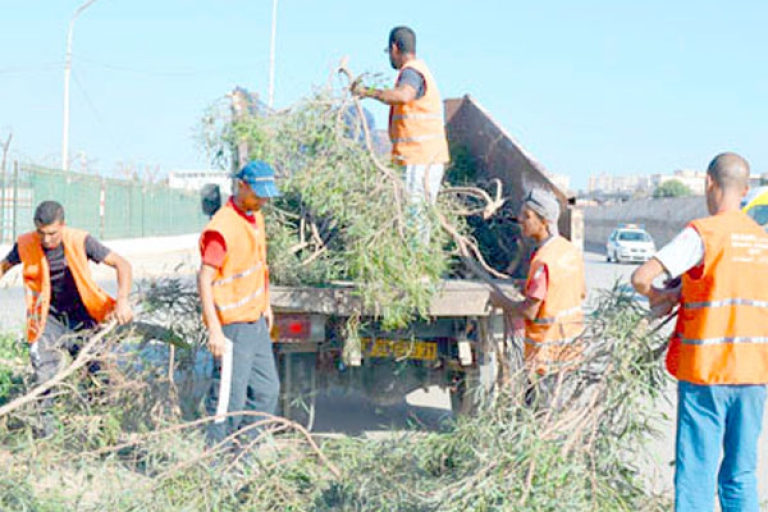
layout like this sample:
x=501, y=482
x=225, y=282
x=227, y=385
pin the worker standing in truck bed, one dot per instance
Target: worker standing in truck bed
x=416, y=123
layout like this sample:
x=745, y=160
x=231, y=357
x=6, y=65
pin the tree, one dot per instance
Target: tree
x=672, y=188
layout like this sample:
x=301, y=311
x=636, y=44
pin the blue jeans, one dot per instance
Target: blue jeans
x=715, y=421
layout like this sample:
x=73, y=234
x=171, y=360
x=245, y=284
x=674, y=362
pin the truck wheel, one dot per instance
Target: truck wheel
x=298, y=387
x=474, y=385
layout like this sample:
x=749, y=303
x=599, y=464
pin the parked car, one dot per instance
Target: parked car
x=628, y=243
x=755, y=204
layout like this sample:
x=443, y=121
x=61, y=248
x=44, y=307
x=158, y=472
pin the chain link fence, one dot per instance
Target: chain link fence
x=108, y=208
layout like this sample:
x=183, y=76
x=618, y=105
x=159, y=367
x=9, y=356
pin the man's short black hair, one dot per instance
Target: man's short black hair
x=404, y=38
x=49, y=212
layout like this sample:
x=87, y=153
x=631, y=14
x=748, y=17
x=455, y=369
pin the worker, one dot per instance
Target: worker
x=554, y=292
x=63, y=301
x=719, y=348
x=234, y=290
x=416, y=124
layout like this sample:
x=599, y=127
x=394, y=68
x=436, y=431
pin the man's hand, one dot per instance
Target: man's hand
x=216, y=342
x=497, y=300
x=358, y=89
x=123, y=312
x=662, y=301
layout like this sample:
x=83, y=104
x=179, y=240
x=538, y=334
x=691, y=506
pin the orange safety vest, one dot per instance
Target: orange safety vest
x=240, y=286
x=552, y=338
x=37, y=279
x=721, y=335
x=417, y=129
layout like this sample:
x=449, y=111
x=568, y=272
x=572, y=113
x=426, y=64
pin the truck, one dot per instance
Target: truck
x=460, y=346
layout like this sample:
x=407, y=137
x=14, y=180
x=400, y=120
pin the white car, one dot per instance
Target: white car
x=629, y=243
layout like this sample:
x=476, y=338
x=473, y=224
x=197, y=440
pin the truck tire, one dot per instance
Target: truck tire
x=298, y=387
x=474, y=385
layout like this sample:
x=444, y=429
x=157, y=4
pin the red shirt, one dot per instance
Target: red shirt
x=213, y=247
x=537, y=287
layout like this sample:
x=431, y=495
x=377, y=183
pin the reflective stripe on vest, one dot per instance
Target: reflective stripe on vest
x=726, y=302
x=552, y=319
x=397, y=117
x=239, y=275
x=563, y=341
x=421, y=138
x=241, y=302
x=724, y=340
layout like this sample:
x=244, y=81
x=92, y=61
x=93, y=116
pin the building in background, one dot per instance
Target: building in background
x=194, y=180
x=619, y=185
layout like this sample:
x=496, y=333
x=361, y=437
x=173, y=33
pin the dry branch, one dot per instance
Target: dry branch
x=82, y=359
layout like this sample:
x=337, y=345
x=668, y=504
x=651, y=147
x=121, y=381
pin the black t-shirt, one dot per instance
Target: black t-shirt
x=66, y=304
x=413, y=78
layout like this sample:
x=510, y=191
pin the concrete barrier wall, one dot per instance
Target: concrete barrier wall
x=662, y=218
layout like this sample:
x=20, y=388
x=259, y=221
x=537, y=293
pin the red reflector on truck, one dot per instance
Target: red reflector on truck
x=292, y=327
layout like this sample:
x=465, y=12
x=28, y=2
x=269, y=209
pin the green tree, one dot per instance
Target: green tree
x=672, y=188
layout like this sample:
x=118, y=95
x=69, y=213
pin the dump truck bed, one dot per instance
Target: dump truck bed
x=454, y=298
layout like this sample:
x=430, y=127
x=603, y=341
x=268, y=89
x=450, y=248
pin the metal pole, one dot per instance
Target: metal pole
x=15, y=198
x=67, y=73
x=4, y=202
x=272, y=55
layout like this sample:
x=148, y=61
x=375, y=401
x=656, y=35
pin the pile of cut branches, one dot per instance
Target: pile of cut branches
x=125, y=445
x=344, y=215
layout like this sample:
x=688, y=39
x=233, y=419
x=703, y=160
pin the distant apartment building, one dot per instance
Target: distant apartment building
x=195, y=179
x=609, y=184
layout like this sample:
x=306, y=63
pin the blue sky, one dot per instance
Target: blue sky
x=587, y=87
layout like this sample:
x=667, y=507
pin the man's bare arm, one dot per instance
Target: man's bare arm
x=527, y=308
x=205, y=289
x=398, y=96
x=124, y=271
x=5, y=266
x=661, y=300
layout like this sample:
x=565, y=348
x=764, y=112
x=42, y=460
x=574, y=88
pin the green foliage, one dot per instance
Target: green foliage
x=672, y=188
x=12, y=361
x=342, y=217
x=463, y=167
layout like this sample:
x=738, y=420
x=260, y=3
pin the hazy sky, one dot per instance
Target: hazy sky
x=587, y=87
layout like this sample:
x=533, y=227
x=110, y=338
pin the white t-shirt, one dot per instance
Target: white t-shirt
x=683, y=253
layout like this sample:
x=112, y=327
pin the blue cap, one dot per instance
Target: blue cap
x=261, y=178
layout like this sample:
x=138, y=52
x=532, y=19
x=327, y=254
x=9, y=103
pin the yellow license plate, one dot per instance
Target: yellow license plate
x=400, y=349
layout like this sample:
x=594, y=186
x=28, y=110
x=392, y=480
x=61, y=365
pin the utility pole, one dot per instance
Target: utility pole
x=272, y=55
x=67, y=73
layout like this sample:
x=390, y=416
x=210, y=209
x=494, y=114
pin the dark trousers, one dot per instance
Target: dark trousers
x=60, y=340
x=254, y=385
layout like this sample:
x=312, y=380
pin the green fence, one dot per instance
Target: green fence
x=106, y=207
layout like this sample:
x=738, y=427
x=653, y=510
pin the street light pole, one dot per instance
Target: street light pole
x=272, y=55
x=67, y=73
